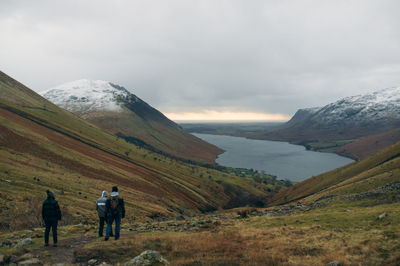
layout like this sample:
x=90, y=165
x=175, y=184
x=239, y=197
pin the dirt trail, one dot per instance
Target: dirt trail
x=63, y=253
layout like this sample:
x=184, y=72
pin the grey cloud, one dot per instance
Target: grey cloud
x=269, y=56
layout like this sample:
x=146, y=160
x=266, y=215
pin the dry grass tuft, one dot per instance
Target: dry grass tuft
x=269, y=241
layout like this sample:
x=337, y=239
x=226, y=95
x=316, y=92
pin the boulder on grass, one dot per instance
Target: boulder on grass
x=23, y=243
x=333, y=263
x=148, y=257
x=383, y=215
x=31, y=262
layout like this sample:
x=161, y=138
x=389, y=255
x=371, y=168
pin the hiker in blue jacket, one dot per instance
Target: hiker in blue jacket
x=51, y=214
x=115, y=211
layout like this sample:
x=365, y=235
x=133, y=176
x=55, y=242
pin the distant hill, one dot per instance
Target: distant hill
x=45, y=147
x=348, y=118
x=118, y=111
x=342, y=122
x=300, y=116
x=369, y=145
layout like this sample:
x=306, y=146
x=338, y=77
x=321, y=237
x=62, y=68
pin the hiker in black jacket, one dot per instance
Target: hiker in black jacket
x=115, y=211
x=51, y=214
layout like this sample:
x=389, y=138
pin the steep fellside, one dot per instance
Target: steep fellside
x=45, y=147
x=119, y=112
x=370, y=145
x=300, y=116
x=367, y=174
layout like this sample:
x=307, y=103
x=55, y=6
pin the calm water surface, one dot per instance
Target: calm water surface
x=287, y=161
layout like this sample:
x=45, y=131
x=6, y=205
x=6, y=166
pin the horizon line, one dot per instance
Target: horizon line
x=226, y=116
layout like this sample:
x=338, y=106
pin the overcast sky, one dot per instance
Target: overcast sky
x=269, y=57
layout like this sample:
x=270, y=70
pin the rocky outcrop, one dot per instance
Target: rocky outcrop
x=182, y=224
x=287, y=210
x=372, y=194
x=23, y=242
x=31, y=262
x=375, y=192
x=338, y=230
x=16, y=243
x=326, y=200
x=333, y=263
x=148, y=257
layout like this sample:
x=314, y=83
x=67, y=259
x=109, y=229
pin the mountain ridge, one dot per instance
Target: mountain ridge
x=376, y=106
x=120, y=112
x=301, y=115
x=339, y=123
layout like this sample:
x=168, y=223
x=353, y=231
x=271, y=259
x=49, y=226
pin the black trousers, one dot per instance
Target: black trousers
x=102, y=220
x=53, y=226
x=101, y=225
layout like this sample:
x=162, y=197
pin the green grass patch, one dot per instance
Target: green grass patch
x=327, y=146
x=349, y=216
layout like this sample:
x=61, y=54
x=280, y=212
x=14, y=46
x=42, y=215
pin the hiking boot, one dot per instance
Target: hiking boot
x=55, y=245
x=46, y=244
x=106, y=238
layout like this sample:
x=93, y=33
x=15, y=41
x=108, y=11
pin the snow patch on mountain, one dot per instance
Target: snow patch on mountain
x=379, y=105
x=84, y=96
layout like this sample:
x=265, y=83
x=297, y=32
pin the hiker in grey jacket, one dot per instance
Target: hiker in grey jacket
x=101, y=211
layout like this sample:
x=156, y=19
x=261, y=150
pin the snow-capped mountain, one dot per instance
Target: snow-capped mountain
x=118, y=111
x=376, y=106
x=346, y=119
x=84, y=96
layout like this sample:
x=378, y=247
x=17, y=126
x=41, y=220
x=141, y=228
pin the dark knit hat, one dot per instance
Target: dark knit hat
x=50, y=194
x=114, y=189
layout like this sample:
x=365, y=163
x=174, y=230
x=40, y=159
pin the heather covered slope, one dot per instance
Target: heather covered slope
x=119, y=112
x=165, y=138
x=45, y=147
x=370, y=145
x=374, y=171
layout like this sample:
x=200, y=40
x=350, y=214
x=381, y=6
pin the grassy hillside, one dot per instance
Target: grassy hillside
x=373, y=171
x=367, y=146
x=158, y=134
x=45, y=147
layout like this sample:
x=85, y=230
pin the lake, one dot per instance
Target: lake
x=282, y=159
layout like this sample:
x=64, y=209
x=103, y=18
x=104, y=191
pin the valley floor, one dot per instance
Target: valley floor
x=349, y=232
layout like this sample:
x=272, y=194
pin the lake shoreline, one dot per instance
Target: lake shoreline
x=294, y=142
x=350, y=156
x=282, y=159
